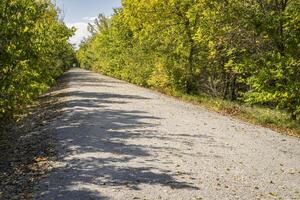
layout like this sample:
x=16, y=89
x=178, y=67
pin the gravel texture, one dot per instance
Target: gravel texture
x=120, y=141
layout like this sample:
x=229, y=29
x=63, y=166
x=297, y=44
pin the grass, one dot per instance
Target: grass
x=270, y=118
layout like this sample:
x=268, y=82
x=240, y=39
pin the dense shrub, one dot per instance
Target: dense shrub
x=238, y=50
x=34, y=50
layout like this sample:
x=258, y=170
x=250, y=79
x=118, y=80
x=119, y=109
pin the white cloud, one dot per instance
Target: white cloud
x=89, y=18
x=81, y=32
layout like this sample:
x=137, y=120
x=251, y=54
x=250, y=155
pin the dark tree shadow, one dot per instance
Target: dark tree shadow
x=94, y=146
x=78, y=194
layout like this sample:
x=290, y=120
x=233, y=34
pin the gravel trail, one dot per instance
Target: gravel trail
x=119, y=141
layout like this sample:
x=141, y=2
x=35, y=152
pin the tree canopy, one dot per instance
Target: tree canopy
x=34, y=50
x=239, y=50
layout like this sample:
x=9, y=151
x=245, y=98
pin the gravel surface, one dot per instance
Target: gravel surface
x=120, y=141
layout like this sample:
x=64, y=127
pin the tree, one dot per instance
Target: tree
x=238, y=50
x=275, y=69
x=34, y=50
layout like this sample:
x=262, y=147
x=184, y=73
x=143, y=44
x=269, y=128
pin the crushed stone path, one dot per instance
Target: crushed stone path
x=117, y=141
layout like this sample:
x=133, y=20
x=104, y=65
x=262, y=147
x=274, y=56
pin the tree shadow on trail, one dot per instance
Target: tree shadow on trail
x=87, y=78
x=97, y=143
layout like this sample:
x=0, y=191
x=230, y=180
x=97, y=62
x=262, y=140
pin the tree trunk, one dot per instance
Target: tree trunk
x=189, y=81
x=293, y=117
x=233, y=96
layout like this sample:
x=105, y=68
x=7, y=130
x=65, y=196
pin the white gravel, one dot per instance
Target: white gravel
x=120, y=141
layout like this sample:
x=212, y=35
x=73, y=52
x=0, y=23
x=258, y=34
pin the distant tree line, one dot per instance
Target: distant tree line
x=34, y=50
x=237, y=50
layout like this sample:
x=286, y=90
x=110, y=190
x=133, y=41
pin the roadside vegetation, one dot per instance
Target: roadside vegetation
x=238, y=57
x=34, y=51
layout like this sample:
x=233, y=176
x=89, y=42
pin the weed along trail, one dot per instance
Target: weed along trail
x=118, y=141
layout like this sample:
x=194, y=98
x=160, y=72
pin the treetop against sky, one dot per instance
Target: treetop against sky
x=79, y=13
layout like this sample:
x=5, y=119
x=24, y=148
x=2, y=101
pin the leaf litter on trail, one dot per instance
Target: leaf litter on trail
x=27, y=147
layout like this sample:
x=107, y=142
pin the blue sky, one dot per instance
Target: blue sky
x=79, y=13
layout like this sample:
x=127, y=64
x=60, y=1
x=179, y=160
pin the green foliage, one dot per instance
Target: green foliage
x=236, y=50
x=34, y=50
x=275, y=71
